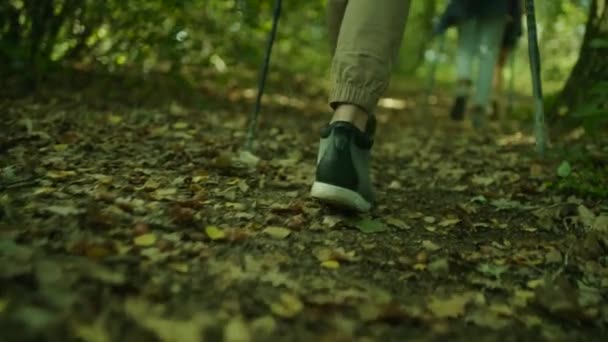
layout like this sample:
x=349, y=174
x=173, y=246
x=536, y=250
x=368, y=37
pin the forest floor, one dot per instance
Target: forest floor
x=121, y=221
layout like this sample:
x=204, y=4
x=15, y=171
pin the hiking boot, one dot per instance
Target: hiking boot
x=343, y=166
x=478, y=117
x=458, y=108
x=496, y=110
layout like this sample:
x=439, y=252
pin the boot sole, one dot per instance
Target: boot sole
x=340, y=197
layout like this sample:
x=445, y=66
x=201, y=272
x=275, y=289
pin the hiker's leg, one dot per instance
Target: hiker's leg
x=367, y=46
x=368, y=41
x=468, y=42
x=491, y=32
x=468, y=39
x=499, y=81
x=335, y=14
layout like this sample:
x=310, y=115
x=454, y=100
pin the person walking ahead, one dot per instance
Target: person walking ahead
x=481, y=25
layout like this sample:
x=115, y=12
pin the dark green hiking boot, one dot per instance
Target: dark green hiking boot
x=458, y=108
x=343, y=166
x=478, y=117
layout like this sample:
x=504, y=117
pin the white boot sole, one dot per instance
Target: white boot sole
x=339, y=196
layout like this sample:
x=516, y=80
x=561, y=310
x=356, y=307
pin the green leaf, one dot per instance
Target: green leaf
x=564, y=170
x=369, y=226
x=491, y=269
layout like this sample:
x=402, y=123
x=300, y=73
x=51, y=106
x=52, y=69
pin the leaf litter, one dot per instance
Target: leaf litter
x=167, y=230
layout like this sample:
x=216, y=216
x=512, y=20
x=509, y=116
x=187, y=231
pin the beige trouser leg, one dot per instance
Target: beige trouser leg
x=366, y=35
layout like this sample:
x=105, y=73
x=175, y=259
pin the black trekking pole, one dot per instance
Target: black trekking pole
x=539, y=114
x=253, y=118
x=430, y=87
x=511, y=95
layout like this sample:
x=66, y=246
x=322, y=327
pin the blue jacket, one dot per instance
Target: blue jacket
x=461, y=10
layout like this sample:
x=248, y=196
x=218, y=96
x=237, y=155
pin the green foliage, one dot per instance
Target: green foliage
x=586, y=180
x=594, y=115
x=582, y=173
x=165, y=35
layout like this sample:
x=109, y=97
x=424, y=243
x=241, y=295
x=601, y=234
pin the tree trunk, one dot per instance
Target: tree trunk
x=591, y=68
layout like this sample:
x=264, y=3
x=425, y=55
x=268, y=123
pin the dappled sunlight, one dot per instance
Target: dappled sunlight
x=146, y=194
x=276, y=99
x=392, y=103
x=518, y=138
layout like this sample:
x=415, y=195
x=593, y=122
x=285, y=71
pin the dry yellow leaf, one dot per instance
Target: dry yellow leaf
x=430, y=246
x=145, y=240
x=522, y=297
x=180, y=125
x=331, y=264
x=277, y=232
x=288, y=306
x=215, y=233
x=420, y=267
x=44, y=190
x=179, y=267
x=60, y=174
x=60, y=147
x=448, y=222
x=449, y=308
x=114, y=119
x=237, y=330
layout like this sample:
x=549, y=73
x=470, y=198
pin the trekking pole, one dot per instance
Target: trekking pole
x=539, y=114
x=430, y=87
x=253, y=118
x=511, y=96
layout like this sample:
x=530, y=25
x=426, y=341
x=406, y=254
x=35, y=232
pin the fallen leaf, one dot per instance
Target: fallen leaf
x=114, y=119
x=487, y=319
x=492, y=269
x=331, y=264
x=288, y=306
x=167, y=193
x=180, y=125
x=332, y=220
x=522, y=297
x=586, y=216
x=564, y=170
x=395, y=222
x=430, y=246
x=395, y=185
x=600, y=224
x=248, y=158
x=236, y=330
x=429, y=219
x=145, y=240
x=419, y=267
x=531, y=321
x=452, y=307
x=483, y=181
x=277, y=232
x=60, y=174
x=215, y=233
x=264, y=326
x=60, y=147
x=536, y=170
x=369, y=226
x=168, y=329
x=439, y=266
x=63, y=210
x=504, y=204
x=448, y=222
x=180, y=267
x=91, y=332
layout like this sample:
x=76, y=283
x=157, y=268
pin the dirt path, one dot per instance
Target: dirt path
x=143, y=225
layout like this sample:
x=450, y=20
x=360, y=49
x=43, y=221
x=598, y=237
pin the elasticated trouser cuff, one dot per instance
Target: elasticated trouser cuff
x=367, y=44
